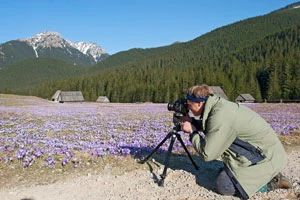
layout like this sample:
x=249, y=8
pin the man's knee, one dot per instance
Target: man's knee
x=224, y=185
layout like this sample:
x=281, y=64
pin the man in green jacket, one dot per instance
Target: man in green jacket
x=252, y=154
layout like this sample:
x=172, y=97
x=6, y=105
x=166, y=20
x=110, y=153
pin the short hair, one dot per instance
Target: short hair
x=200, y=91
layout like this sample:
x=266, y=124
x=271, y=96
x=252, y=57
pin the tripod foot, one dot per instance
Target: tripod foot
x=161, y=182
x=141, y=161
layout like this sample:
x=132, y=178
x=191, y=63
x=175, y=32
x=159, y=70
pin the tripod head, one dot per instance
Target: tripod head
x=180, y=108
x=177, y=121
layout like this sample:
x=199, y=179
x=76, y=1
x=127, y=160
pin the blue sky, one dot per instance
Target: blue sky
x=119, y=25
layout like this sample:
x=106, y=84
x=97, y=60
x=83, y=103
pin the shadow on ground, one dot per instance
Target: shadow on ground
x=205, y=175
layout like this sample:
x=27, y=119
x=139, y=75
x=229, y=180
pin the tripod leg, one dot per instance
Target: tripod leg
x=186, y=150
x=156, y=148
x=163, y=175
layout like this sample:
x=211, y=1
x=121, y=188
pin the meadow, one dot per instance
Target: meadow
x=35, y=131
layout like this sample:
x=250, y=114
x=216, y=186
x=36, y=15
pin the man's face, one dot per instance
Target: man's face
x=195, y=107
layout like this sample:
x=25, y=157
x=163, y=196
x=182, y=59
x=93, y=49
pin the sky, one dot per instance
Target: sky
x=120, y=25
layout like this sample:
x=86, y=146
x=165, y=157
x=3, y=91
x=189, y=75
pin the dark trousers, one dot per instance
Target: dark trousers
x=224, y=184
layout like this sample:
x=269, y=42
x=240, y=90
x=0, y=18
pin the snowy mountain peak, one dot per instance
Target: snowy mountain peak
x=45, y=39
x=48, y=39
x=89, y=48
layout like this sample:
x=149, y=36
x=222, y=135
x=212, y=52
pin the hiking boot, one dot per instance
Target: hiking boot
x=279, y=181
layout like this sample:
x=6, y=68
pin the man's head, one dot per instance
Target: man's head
x=196, y=98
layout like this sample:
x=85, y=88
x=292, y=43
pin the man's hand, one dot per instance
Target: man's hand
x=187, y=127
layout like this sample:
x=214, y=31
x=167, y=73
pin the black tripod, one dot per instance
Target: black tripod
x=173, y=135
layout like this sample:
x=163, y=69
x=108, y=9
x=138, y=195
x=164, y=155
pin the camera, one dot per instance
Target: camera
x=180, y=107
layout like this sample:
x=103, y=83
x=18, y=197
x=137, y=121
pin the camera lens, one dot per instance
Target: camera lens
x=171, y=106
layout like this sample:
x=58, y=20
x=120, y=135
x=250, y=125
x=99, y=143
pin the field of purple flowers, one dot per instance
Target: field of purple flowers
x=34, y=131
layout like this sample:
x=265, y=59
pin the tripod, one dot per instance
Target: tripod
x=173, y=135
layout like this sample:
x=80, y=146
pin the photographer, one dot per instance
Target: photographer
x=252, y=154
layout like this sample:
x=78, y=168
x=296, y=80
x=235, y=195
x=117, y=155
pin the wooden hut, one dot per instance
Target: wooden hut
x=67, y=96
x=102, y=99
x=245, y=98
x=56, y=96
x=219, y=92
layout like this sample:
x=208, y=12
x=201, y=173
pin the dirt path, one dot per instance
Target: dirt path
x=141, y=183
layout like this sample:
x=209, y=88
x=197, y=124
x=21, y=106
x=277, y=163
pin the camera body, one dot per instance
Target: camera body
x=180, y=106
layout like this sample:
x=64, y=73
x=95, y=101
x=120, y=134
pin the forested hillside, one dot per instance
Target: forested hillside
x=28, y=73
x=259, y=56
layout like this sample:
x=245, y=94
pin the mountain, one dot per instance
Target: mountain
x=217, y=43
x=51, y=45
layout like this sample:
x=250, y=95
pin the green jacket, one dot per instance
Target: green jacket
x=224, y=121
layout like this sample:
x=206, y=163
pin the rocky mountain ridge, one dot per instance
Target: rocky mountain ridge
x=48, y=39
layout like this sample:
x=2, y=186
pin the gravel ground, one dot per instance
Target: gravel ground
x=142, y=183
